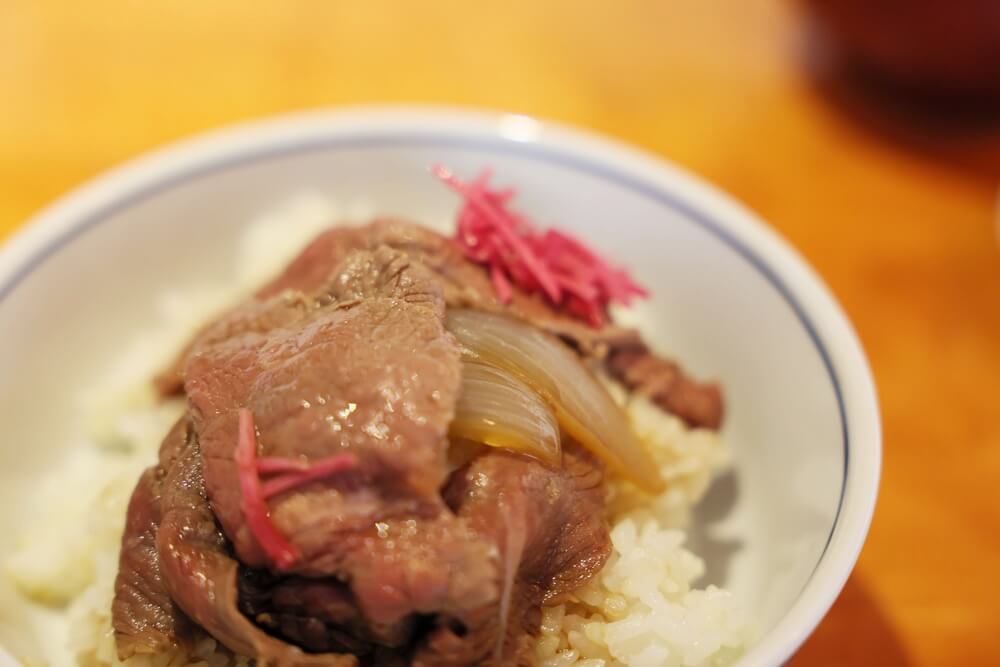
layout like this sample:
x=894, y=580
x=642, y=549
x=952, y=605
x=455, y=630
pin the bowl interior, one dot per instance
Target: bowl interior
x=716, y=306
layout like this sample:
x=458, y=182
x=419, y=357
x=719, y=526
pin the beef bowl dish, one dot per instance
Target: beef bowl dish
x=382, y=437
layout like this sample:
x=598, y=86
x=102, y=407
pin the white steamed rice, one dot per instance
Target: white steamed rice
x=643, y=609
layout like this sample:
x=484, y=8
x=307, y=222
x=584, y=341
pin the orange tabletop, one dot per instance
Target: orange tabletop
x=899, y=217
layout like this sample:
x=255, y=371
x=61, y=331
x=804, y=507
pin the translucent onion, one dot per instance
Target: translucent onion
x=582, y=406
x=497, y=409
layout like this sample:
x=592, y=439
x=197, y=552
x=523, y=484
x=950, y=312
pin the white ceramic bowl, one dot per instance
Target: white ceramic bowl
x=730, y=299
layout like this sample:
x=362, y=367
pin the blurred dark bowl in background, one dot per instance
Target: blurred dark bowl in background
x=940, y=49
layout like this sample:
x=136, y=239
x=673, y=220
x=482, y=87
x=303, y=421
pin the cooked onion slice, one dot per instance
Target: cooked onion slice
x=582, y=406
x=497, y=409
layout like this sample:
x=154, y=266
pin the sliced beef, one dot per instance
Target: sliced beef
x=313, y=272
x=460, y=280
x=320, y=615
x=145, y=618
x=253, y=316
x=465, y=284
x=201, y=576
x=376, y=376
x=462, y=284
x=399, y=574
x=664, y=382
x=176, y=580
x=404, y=560
x=561, y=511
x=369, y=370
x=421, y=566
x=550, y=528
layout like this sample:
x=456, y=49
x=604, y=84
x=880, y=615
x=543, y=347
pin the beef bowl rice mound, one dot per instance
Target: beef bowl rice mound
x=409, y=449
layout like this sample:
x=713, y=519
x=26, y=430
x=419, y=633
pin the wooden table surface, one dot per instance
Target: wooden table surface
x=899, y=216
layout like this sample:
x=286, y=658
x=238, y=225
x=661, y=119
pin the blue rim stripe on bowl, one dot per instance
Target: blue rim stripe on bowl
x=500, y=146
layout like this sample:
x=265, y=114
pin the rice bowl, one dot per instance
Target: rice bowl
x=629, y=534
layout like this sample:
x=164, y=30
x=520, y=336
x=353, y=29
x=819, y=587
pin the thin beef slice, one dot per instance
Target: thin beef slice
x=372, y=372
x=550, y=528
